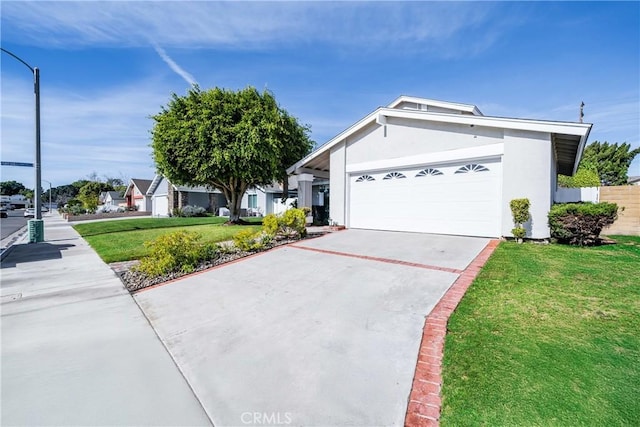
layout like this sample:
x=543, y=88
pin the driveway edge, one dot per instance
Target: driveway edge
x=424, y=400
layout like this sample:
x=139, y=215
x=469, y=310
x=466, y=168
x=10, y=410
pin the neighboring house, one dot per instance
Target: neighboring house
x=429, y=166
x=113, y=200
x=634, y=180
x=136, y=194
x=165, y=197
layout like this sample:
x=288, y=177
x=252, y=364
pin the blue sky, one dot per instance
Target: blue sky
x=107, y=66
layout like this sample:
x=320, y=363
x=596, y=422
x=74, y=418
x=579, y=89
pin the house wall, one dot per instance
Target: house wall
x=406, y=137
x=527, y=170
x=337, y=177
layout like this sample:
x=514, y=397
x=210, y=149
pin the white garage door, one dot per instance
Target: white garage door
x=461, y=199
x=161, y=206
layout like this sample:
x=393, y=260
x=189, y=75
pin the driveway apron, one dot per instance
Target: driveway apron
x=322, y=332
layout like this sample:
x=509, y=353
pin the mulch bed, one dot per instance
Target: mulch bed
x=134, y=280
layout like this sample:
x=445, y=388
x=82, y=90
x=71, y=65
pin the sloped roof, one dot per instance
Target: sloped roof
x=142, y=184
x=569, y=137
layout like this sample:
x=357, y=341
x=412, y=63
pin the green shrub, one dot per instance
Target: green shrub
x=178, y=251
x=248, y=240
x=520, y=210
x=581, y=223
x=293, y=223
x=270, y=224
x=520, y=213
x=189, y=211
x=519, y=232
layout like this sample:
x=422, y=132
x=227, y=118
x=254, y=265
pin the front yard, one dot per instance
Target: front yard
x=547, y=335
x=123, y=240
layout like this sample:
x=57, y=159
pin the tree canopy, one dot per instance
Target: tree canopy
x=10, y=188
x=227, y=140
x=611, y=161
x=89, y=194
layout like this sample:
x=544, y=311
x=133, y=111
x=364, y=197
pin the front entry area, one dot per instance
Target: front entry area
x=457, y=198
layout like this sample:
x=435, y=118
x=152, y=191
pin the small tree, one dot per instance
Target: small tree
x=90, y=193
x=612, y=161
x=227, y=140
x=520, y=213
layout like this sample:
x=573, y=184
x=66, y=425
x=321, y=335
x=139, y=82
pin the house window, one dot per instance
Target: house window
x=472, y=168
x=394, y=175
x=429, y=172
x=253, y=201
x=364, y=178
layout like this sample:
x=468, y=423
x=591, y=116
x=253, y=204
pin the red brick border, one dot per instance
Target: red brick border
x=423, y=408
x=373, y=258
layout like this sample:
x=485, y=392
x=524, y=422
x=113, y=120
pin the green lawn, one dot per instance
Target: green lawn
x=123, y=240
x=547, y=335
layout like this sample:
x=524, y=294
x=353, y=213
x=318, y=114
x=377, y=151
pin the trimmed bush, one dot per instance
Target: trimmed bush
x=520, y=213
x=581, y=223
x=178, y=251
x=190, y=211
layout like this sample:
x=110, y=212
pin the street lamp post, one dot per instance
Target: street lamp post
x=37, y=165
x=49, y=194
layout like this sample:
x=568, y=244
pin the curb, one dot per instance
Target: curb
x=425, y=402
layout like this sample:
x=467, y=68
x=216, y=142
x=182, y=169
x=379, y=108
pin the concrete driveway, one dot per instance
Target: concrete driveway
x=323, y=332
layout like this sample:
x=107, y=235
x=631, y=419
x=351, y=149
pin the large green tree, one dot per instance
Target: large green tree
x=610, y=160
x=10, y=188
x=227, y=140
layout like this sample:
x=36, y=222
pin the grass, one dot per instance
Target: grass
x=123, y=240
x=547, y=335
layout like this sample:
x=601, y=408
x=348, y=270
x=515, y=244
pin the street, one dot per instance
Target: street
x=13, y=223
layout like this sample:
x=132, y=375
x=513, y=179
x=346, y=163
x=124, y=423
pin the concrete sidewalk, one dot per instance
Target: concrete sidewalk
x=76, y=349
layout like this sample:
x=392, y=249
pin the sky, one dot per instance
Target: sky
x=106, y=67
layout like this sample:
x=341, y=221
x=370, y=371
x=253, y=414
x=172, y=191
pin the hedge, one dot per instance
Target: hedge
x=581, y=223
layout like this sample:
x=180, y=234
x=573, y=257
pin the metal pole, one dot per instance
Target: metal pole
x=37, y=193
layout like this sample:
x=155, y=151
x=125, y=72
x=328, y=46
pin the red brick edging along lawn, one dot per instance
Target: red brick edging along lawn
x=425, y=401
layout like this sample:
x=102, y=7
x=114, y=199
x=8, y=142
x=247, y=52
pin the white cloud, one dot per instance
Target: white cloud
x=241, y=25
x=106, y=130
x=175, y=67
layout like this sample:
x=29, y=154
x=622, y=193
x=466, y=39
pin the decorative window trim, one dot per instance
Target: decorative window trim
x=394, y=175
x=428, y=172
x=472, y=167
x=365, y=178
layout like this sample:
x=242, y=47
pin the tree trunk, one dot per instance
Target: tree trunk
x=234, y=207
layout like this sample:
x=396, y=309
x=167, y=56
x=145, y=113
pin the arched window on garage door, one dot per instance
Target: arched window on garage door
x=428, y=172
x=394, y=175
x=472, y=167
x=365, y=178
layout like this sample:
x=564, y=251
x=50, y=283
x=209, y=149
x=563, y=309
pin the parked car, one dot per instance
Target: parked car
x=3, y=212
x=30, y=212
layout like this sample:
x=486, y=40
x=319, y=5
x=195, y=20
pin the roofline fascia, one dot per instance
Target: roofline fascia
x=571, y=128
x=443, y=104
x=583, y=143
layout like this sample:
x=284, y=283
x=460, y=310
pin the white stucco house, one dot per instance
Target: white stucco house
x=421, y=165
x=258, y=201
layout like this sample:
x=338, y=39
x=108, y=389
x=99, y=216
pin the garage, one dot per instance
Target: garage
x=438, y=167
x=161, y=206
x=460, y=198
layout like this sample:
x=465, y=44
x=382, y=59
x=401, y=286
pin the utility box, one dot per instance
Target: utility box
x=36, y=230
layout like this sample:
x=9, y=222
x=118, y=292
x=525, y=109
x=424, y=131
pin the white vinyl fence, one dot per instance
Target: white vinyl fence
x=586, y=194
